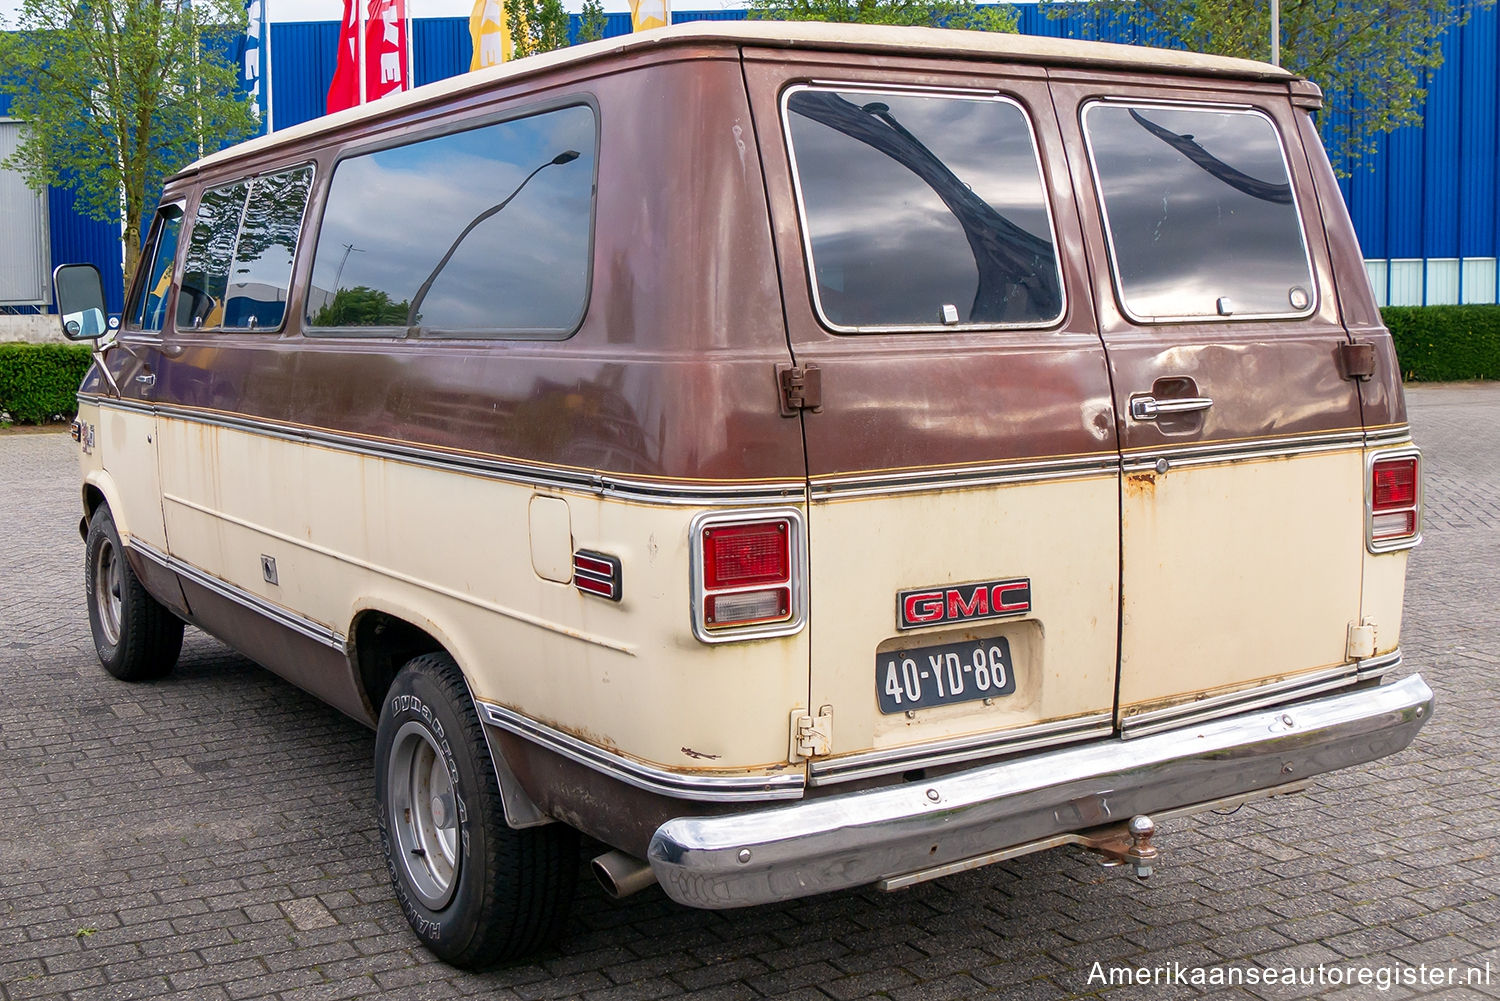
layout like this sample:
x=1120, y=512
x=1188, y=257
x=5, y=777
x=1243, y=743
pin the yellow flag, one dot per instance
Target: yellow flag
x=489, y=30
x=650, y=14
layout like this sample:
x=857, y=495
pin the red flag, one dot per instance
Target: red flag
x=385, y=49
x=344, y=91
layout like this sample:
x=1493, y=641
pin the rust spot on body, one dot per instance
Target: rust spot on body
x=700, y=755
x=1140, y=484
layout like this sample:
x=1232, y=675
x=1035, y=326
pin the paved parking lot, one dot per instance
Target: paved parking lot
x=212, y=836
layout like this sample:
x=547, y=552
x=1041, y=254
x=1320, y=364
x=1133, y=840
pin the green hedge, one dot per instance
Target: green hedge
x=40, y=381
x=1446, y=343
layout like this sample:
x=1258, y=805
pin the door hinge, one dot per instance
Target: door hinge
x=1357, y=360
x=812, y=736
x=1361, y=643
x=801, y=388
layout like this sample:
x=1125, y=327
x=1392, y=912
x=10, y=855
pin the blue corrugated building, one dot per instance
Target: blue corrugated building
x=1424, y=205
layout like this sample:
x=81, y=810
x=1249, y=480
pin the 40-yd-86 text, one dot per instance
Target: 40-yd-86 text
x=940, y=675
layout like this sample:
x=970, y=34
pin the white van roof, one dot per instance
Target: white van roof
x=785, y=34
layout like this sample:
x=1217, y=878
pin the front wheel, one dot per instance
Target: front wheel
x=476, y=891
x=136, y=636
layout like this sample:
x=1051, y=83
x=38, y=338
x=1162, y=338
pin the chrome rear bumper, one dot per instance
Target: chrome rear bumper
x=841, y=841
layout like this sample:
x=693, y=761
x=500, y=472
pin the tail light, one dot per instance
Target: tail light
x=748, y=574
x=1393, y=507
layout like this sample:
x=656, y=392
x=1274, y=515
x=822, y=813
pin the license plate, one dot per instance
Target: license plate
x=942, y=675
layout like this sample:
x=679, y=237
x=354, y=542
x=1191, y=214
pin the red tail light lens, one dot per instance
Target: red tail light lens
x=1394, y=484
x=746, y=555
x=1395, y=512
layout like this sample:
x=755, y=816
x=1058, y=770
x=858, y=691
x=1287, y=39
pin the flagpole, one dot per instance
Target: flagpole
x=411, y=47
x=360, y=38
x=265, y=66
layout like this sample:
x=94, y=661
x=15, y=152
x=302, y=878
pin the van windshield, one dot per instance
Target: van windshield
x=922, y=210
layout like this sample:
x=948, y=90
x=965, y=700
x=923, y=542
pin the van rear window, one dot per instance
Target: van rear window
x=474, y=233
x=1200, y=212
x=922, y=211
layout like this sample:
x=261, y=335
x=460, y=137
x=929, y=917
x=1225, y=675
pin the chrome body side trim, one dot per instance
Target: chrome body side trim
x=604, y=484
x=989, y=474
x=1239, y=451
x=315, y=631
x=1379, y=665
x=706, y=788
x=1213, y=707
x=871, y=764
x=742, y=494
x=1400, y=435
x=843, y=841
x=1071, y=467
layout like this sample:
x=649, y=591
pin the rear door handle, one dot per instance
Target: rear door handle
x=1148, y=408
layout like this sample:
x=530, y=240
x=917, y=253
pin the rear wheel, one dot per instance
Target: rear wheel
x=137, y=638
x=476, y=891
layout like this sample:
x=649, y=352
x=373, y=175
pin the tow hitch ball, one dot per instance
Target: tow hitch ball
x=1125, y=844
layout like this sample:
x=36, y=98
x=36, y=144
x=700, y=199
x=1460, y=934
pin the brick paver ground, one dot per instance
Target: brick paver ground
x=212, y=836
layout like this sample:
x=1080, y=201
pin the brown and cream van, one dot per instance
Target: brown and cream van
x=798, y=457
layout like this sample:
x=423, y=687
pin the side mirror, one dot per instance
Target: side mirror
x=80, y=301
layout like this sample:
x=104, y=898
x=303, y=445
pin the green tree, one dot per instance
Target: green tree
x=118, y=94
x=362, y=306
x=930, y=13
x=592, y=28
x=1370, y=58
x=536, y=26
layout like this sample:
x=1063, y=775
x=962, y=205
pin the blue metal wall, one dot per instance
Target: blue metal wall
x=76, y=237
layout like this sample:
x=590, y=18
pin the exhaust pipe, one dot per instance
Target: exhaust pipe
x=621, y=874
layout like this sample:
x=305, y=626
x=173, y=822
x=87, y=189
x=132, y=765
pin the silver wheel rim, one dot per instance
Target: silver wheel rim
x=423, y=815
x=107, y=586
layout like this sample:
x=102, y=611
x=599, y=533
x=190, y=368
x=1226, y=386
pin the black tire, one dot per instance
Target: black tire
x=476, y=892
x=136, y=636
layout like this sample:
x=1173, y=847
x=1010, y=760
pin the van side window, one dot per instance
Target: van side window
x=922, y=211
x=262, y=269
x=485, y=232
x=1199, y=210
x=150, y=308
x=205, y=270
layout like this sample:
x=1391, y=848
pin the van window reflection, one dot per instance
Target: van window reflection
x=262, y=270
x=151, y=307
x=1200, y=213
x=205, y=269
x=482, y=231
x=923, y=210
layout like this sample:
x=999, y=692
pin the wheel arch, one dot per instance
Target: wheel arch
x=99, y=489
x=382, y=638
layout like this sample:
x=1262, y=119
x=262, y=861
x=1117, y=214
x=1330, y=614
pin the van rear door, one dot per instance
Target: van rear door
x=1242, y=503
x=961, y=444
